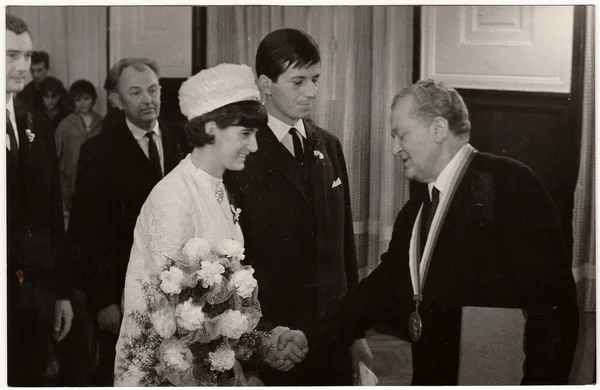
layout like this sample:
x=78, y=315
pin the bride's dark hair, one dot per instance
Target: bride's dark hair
x=247, y=113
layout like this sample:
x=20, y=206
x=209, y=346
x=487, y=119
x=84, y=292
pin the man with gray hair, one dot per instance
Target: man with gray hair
x=117, y=170
x=483, y=231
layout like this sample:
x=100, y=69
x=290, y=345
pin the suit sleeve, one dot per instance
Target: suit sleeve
x=383, y=297
x=57, y=226
x=541, y=266
x=79, y=230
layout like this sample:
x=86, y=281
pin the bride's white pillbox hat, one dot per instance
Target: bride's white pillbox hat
x=216, y=87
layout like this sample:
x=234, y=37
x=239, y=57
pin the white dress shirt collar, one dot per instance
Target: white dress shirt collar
x=441, y=183
x=281, y=129
x=10, y=105
x=139, y=133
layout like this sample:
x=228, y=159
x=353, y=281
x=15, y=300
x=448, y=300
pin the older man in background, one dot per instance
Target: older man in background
x=117, y=170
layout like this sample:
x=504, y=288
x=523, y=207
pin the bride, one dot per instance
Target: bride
x=190, y=305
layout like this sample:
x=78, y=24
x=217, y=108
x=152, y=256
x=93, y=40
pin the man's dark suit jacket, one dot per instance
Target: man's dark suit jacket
x=114, y=179
x=31, y=96
x=500, y=246
x=35, y=245
x=299, y=238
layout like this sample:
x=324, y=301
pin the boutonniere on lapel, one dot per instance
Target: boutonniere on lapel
x=30, y=134
x=236, y=214
x=318, y=155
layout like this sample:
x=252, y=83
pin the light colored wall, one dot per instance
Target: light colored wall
x=75, y=39
x=163, y=34
x=517, y=47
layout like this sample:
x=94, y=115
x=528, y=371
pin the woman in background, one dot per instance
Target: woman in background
x=71, y=133
x=55, y=98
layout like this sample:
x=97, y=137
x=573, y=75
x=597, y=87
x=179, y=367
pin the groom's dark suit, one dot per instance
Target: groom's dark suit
x=114, y=179
x=298, y=234
x=36, y=271
x=500, y=246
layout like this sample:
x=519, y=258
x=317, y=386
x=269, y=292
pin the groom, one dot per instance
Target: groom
x=296, y=215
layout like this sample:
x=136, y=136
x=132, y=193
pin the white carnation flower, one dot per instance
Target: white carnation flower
x=189, y=316
x=176, y=355
x=163, y=321
x=171, y=280
x=175, y=358
x=222, y=359
x=195, y=250
x=244, y=282
x=230, y=248
x=210, y=273
x=233, y=324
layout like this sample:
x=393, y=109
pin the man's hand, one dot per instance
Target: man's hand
x=360, y=352
x=288, y=347
x=295, y=342
x=63, y=319
x=109, y=319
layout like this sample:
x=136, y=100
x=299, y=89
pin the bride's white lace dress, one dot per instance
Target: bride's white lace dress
x=181, y=206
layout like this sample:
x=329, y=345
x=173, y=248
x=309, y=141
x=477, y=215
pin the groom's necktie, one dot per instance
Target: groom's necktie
x=298, y=151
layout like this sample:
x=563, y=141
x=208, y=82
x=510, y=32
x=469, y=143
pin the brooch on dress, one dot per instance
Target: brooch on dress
x=236, y=214
x=220, y=194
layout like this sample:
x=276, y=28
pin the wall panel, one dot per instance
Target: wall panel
x=518, y=48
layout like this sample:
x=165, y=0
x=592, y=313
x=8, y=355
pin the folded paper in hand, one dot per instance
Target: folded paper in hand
x=366, y=376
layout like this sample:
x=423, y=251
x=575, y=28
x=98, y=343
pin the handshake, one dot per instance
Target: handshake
x=286, y=348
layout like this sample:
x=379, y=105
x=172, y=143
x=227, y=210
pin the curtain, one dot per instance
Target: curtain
x=584, y=221
x=75, y=39
x=366, y=58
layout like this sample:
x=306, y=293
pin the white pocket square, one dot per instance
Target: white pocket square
x=337, y=182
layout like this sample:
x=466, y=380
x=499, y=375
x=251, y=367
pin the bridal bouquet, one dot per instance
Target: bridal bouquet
x=201, y=316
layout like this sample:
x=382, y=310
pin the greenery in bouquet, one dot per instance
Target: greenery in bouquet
x=199, y=328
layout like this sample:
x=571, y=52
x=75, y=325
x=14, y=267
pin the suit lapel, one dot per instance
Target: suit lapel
x=311, y=144
x=171, y=158
x=130, y=146
x=315, y=167
x=21, y=119
x=473, y=203
x=280, y=158
x=471, y=210
x=25, y=147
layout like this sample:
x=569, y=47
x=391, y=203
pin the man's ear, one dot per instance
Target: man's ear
x=116, y=99
x=265, y=83
x=440, y=129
